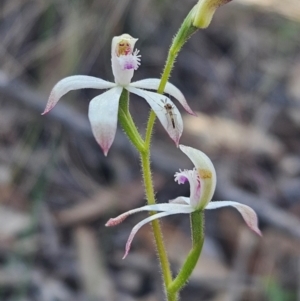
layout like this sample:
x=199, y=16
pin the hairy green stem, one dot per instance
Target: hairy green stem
x=127, y=122
x=161, y=251
x=144, y=149
x=197, y=227
x=185, y=31
x=149, y=130
x=162, y=254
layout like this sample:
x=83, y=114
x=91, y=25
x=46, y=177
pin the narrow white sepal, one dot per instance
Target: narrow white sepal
x=247, y=213
x=138, y=226
x=173, y=125
x=167, y=207
x=103, y=115
x=74, y=83
x=153, y=84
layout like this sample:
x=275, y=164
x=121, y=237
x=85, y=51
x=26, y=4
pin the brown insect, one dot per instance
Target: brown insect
x=170, y=111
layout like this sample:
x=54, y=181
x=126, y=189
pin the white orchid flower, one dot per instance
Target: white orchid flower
x=103, y=109
x=202, y=179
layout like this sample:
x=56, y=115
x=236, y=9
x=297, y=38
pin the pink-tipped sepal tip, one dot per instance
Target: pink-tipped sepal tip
x=128, y=243
x=117, y=220
x=47, y=110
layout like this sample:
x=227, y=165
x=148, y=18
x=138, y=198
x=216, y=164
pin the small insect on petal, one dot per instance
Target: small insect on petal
x=153, y=84
x=171, y=120
x=170, y=111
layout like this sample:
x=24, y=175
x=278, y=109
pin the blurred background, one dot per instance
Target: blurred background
x=57, y=190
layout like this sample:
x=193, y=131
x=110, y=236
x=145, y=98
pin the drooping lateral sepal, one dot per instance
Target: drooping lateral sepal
x=167, y=113
x=103, y=116
x=247, y=213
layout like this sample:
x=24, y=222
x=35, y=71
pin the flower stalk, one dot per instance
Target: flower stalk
x=197, y=229
x=184, y=32
x=143, y=148
x=149, y=190
x=127, y=122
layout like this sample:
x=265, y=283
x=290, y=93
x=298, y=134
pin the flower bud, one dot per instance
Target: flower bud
x=204, y=11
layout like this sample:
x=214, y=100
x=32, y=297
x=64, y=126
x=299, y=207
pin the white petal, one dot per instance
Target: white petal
x=103, y=115
x=142, y=223
x=175, y=208
x=74, y=83
x=122, y=76
x=172, y=124
x=247, y=213
x=153, y=83
x=207, y=174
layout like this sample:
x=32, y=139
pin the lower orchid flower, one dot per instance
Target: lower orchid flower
x=202, y=179
x=103, y=109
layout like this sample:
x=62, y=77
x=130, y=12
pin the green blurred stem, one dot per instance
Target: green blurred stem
x=197, y=227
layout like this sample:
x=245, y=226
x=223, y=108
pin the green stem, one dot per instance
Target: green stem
x=146, y=168
x=149, y=129
x=197, y=225
x=184, y=33
x=127, y=122
x=162, y=254
x=144, y=149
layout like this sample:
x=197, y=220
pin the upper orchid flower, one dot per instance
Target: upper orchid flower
x=103, y=109
x=202, y=179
